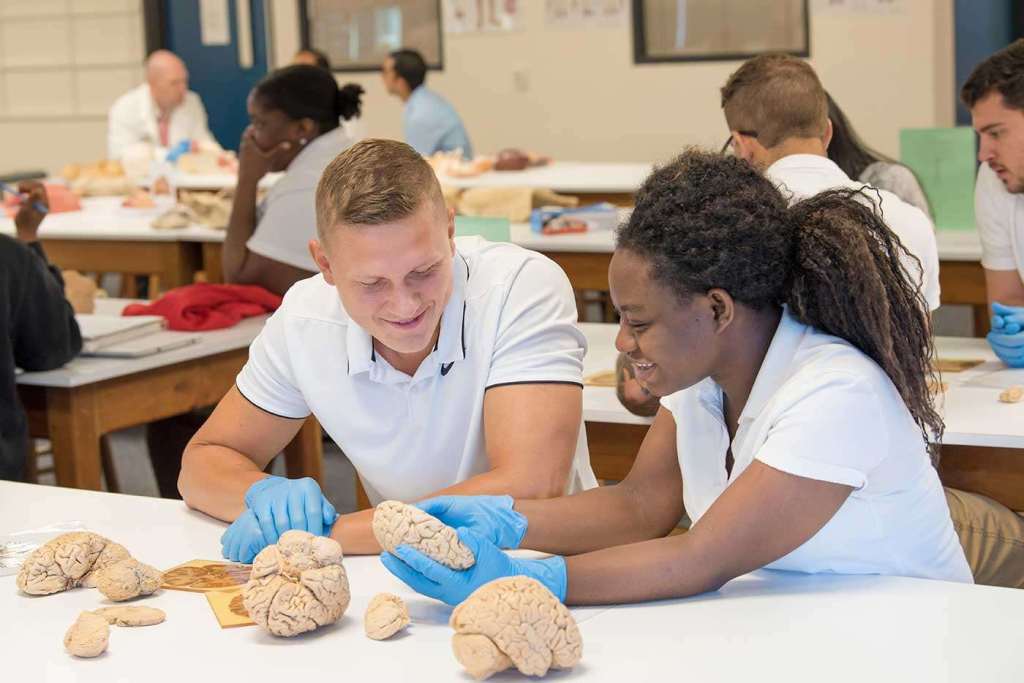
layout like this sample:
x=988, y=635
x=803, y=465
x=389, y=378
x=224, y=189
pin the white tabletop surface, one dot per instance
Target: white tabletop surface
x=103, y=218
x=217, y=181
x=86, y=369
x=563, y=176
x=763, y=626
x=958, y=245
x=974, y=416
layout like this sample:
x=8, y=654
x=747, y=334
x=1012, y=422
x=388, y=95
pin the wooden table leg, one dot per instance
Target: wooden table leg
x=304, y=456
x=75, y=435
x=212, y=254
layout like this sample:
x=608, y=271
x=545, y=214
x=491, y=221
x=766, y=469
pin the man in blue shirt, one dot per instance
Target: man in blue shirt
x=431, y=123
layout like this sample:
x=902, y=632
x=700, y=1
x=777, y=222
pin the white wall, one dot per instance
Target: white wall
x=586, y=100
x=62, y=64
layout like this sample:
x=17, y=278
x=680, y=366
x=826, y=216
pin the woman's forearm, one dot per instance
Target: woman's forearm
x=652, y=570
x=599, y=518
x=241, y=225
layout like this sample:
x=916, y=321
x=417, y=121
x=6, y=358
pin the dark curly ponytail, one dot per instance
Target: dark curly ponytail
x=706, y=221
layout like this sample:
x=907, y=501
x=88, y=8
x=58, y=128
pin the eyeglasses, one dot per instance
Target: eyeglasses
x=728, y=142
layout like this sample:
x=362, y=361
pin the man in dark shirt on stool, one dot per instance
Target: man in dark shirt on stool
x=37, y=324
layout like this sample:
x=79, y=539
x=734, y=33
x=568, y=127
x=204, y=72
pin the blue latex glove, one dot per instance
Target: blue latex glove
x=453, y=586
x=1009, y=347
x=490, y=516
x=1007, y=319
x=282, y=504
x=243, y=539
x=177, y=150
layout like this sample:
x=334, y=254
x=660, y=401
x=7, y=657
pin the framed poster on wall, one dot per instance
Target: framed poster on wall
x=704, y=30
x=357, y=35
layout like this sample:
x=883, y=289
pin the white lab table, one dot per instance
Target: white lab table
x=76, y=405
x=105, y=237
x=983, y=446
x=571, y=177
x=766, y=625
x=973, y=415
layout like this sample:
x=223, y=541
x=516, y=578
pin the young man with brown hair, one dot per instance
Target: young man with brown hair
x=995, y=95
x=438, y=365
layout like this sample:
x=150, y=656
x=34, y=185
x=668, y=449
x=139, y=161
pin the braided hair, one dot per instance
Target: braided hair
x=706, y=221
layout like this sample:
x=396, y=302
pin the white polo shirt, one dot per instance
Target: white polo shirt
x=286, y=218
x=511, y=319
x=800, y=176
x=1000, y=217
x=821, y=409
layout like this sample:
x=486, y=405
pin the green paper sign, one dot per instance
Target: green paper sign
x=944, y=161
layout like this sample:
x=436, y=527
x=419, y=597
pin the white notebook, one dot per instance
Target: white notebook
x=147, y=345
x=99, y=331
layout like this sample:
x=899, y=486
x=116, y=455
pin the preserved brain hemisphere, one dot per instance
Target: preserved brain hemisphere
x=68, y=561
x=396, y=524
x=517, y=622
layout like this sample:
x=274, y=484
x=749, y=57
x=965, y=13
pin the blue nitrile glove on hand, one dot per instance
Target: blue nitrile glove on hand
x=243, y=539
x=453, y=586
x=1009, y=348
x=489, y=516
x=282, y=504
x=177, y=150
x=1007, y=319
x=1007, y=335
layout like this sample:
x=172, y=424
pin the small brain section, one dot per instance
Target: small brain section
x=131, y=616
x=514, y=622
x=88, y=636
x=68, y=561
x=385, y=616
x=297, y=585
x=396, y=524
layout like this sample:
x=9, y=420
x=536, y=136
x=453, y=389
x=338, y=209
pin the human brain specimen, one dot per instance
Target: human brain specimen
x=396, y=524
x=68, y=561
x=128, y=579
x=518, y=622
x=297, y=585
x=385, y=616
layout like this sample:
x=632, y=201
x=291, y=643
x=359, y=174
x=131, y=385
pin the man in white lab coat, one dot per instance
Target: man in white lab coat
x=160, y=113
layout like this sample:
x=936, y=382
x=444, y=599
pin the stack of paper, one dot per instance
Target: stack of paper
x=128, y=336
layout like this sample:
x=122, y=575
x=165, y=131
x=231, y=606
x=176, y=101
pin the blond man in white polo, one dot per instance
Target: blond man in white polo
x=437, y=364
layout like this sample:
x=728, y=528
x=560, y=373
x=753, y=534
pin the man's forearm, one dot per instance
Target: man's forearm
x=214, y=480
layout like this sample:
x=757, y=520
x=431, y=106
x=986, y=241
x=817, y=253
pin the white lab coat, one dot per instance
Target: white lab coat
x=133, y=121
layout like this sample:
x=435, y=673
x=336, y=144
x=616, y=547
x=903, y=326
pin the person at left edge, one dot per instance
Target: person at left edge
x=437, y=364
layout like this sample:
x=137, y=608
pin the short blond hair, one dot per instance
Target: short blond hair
x=778, y=97
x=373, y=182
